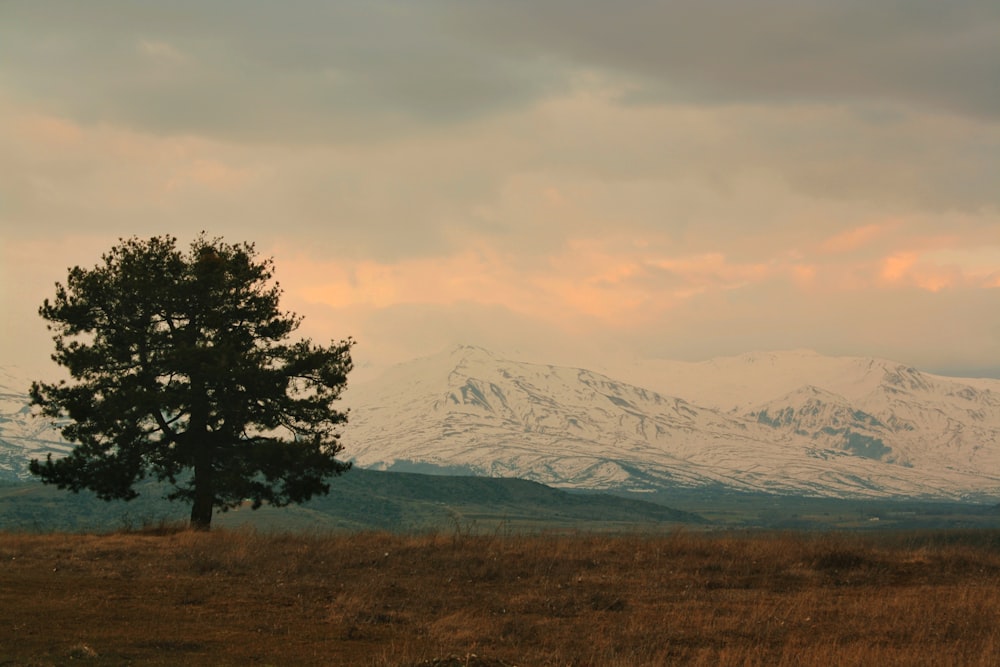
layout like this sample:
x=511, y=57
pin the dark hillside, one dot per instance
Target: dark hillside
x=358, y=500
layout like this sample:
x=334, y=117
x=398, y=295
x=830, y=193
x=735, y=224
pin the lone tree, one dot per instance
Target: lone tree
x=182, y=370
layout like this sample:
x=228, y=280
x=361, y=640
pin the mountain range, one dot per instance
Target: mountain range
x=22, y=436
x=790, y=422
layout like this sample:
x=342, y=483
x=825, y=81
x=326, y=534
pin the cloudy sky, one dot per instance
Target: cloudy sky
x=579, y=182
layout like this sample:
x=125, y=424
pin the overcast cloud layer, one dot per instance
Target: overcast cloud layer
x=578, y=182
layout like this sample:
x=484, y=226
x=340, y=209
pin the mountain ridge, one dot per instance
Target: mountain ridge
x=877, y=427
x=793, y=422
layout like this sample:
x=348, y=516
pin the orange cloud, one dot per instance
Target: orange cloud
x=472, y=276
x=49, y=130
x=853, y=239
x=713, y=270
x=934, y=270
x=616, y=283
x=803, y=275
x=208, y=173
x=896, y=267
x=934, y=281
x=906, y=269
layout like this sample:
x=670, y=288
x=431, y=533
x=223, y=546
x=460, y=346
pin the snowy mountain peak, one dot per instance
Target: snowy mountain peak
x=792, y=422
x=470, y=354
x=795, y=421
x=905, y=378
x=23, y=436
x=769, y=358
x=828, y=419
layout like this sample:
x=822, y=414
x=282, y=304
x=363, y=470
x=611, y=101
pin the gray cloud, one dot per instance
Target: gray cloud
x=548, y=136
x=305, y=71
x=923, y=52
x=340, y=71
x=833, y=95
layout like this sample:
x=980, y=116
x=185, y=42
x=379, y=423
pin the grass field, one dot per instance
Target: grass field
x=239, y=597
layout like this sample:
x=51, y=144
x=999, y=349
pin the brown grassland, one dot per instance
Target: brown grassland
x=239, y=597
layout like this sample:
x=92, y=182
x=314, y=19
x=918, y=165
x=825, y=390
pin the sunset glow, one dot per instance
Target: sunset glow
x=573, y=189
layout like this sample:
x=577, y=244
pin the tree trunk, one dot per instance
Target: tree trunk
x=204, y=496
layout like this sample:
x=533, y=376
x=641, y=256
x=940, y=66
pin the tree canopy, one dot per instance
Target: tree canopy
x=182, y=370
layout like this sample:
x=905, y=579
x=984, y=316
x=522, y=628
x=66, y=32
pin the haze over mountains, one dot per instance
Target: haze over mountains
x=791, y=422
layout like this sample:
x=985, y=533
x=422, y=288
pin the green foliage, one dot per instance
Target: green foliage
x=180, y=363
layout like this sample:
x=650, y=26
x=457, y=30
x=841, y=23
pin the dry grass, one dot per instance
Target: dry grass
x=239, y=598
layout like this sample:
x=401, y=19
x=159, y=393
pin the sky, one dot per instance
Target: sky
x=585, y=183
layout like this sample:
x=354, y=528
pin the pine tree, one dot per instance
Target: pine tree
x=182, y=371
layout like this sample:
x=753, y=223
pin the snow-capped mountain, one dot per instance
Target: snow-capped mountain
x=793, y=422
x=787, y=422
x=23, y=437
